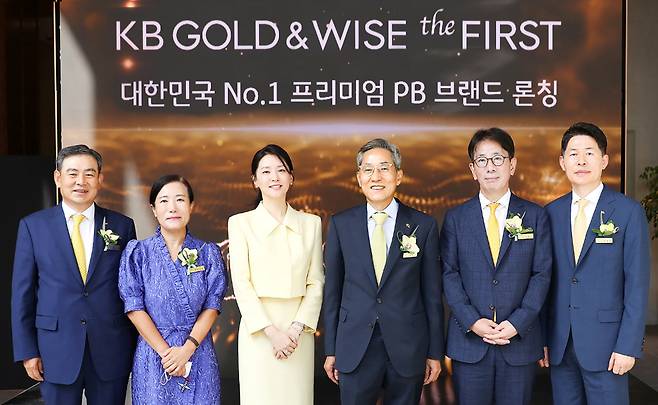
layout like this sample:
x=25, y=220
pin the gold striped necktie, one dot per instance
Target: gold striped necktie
x=493, y=232
x=579, y=229
x=378, y=244
x=79, y=247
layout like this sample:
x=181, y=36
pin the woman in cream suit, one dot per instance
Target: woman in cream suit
x=276, y=267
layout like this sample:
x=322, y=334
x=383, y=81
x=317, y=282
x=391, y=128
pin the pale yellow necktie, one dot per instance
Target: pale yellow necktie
x=579, y=229
x=378, y=244
x=493, y=232
x=79, y=247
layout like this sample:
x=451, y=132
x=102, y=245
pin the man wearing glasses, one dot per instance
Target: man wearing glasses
x=496, y=260
x=382, y=298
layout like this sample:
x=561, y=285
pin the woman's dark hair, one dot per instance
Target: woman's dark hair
x=166, y=179
x=274, y=150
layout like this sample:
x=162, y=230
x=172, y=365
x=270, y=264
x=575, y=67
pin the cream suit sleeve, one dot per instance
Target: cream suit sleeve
x=309, y=309
x=250, y=306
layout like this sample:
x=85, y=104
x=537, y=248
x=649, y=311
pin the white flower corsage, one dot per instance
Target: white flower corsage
x=110, y=238
x=605, y=230
x=188, y=258
x=408, y=245
x=515, y=229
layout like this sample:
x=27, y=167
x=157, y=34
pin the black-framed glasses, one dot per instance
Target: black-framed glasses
x=384, y=169
x=497, y=160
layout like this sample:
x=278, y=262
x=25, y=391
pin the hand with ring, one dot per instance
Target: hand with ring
x=283, y=345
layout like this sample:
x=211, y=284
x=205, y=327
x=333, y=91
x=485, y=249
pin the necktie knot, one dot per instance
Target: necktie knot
x=380, y=217
x=582, y=203
x=493, y=207
x=78, y=218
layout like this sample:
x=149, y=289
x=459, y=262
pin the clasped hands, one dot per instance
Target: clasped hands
x=494, y=333
x=284, y=343
x=173, y=358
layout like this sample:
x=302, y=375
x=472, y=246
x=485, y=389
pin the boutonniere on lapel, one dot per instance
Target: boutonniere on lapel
x=110, y=238
x=408, y=245
x=605, y=230
x=515, y=229
x=188, y=258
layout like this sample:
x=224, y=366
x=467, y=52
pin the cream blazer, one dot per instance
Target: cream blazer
x=276, y=260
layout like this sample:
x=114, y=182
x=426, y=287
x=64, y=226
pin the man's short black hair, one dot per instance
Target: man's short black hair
x=493, y=134
x=585, y=128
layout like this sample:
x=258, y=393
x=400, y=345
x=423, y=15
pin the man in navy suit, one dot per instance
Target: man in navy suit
x=596, y=308
x=382, y=296
x=68, y=325
x=496, y=259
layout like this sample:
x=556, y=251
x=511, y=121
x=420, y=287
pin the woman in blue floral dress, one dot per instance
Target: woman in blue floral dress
x=173, y=285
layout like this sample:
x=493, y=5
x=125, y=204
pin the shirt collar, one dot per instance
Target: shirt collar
x=592, y=197
x=267, y=223
x=391, y=210
x=88, y=213
x=503, y=201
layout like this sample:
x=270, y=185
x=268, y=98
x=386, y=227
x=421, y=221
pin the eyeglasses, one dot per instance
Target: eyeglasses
x=497, y=160
x=383, y=168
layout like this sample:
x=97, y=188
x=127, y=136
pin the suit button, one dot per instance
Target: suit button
x=491, y=307
x=495, y=282
x=85, y=293
x=370, y=325
x=379, y=300
x=83, y=321
x=574, y=280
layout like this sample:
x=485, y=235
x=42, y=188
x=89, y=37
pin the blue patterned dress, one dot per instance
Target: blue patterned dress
x=149, y=280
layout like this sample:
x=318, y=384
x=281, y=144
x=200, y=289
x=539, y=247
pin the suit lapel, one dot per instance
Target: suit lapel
x=62, y=242
x=98, y=244
x=604, y=204
x=516, y=206
x=564, y=228
x=402, y=219
x=362, y=242
x=475, y=224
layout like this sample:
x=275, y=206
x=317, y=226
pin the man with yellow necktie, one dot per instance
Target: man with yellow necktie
x=382, y=296
x=68, y=326
x=596, y=308
x=496, y=259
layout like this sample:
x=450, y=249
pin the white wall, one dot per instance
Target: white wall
x=642, y=116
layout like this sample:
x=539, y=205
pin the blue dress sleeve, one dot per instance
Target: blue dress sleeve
x=216, y=277
x=131, y=283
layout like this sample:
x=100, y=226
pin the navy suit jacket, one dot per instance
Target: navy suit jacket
x=516, y=287
x=602, y=301
x=54, y=314
x=406, y=305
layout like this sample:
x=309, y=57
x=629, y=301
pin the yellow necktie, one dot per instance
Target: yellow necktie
x=79, y=247
x=579, y=229
x=378, y=244
x=493, y=233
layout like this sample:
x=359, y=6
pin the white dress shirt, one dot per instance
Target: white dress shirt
x=501, y=211
x=389, y=224
x=86, y=227
x=592, y=197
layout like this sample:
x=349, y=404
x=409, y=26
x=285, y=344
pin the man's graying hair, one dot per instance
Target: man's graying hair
x=382, y=144
x=78, y=150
